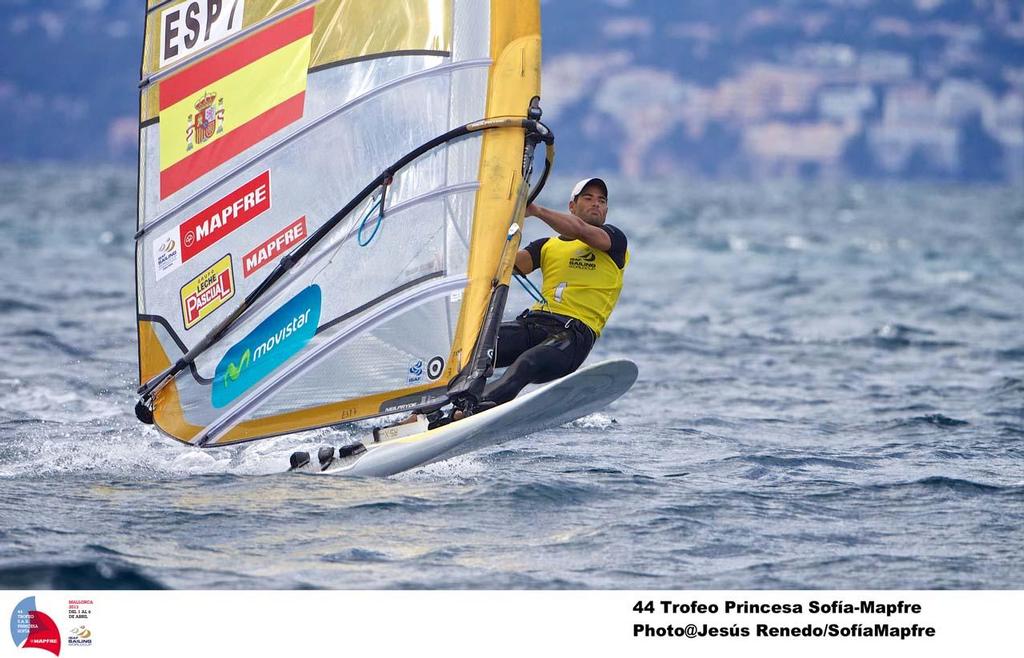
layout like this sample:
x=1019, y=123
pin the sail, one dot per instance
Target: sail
x=328, y=196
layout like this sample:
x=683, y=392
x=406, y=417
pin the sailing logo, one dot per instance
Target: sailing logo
x=207, y=292
x=32, y=629
x=208, y=121
x=80, y=636
x=274, y=341
x=583, y=259
x=166, y=255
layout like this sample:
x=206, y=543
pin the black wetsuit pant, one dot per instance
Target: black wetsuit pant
x=537, y=347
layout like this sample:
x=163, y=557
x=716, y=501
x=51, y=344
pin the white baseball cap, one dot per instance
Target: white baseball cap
x=578, y=187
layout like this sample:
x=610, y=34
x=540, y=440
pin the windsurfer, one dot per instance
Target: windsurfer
x=582, y=273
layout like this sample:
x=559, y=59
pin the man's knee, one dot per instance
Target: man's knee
x=543, y=364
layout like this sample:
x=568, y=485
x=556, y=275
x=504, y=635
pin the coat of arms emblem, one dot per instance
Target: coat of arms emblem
x=206, y=122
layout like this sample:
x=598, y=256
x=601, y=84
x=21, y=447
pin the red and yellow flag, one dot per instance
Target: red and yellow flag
x=231, y=100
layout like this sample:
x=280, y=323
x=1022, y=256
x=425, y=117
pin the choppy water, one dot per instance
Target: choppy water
x=831, y=396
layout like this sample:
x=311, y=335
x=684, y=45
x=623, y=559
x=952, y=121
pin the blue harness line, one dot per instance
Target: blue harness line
x=530, y=288
x=378, y=206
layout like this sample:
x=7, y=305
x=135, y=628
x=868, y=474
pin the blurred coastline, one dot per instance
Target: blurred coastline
x=741, y=90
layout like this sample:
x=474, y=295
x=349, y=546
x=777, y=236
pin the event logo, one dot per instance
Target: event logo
x=207, y=292
x=274, y=246
x=207, y=122
x=214, y=222
x=32, y=629
x=274, y=341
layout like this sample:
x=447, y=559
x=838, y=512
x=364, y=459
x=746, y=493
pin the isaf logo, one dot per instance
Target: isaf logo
x=415, y=372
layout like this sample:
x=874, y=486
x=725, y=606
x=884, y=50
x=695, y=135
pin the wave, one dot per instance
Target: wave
x=8, y=305
x=936, y=483
x=895, y=336
x=799, y=462
x=935, y=420
x=76, y=576
x=558, y=493
x=1012, y=354
x=44, y=342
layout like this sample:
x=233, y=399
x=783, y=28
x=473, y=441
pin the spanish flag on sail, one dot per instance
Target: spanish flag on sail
x=233, y=99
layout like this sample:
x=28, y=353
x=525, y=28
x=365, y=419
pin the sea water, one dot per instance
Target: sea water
x=831, y=395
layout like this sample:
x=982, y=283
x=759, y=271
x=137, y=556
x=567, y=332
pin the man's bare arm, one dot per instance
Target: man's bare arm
x=571, y=226
x=524, y=262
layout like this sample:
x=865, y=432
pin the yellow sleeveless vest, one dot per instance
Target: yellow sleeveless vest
x=579, y=281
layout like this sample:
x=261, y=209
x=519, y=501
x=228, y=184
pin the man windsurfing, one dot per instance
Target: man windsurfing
x=582, y=272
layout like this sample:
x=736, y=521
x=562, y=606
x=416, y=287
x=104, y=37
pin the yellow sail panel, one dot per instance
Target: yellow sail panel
x=514, y=79
x=388, y=26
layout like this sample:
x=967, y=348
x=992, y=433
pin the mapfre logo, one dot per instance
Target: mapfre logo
x=213, y=223
x=33, y=629
x=196, y=24
x=224, y=217
x=274, y=246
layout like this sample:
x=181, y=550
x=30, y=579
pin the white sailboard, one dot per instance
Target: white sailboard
x=583, y=392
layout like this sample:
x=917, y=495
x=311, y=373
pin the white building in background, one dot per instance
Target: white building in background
x=957, y=100
x=1006, y=122
x=1008, y=127
x=912, y=122
x=653, y=97
x=847, y=105
x=884, y=66
x=894, y=146
x=910, y=105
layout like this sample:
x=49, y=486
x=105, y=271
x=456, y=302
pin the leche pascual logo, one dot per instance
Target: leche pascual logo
x=34, y=629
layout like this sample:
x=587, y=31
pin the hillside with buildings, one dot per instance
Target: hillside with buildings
x=736, y=89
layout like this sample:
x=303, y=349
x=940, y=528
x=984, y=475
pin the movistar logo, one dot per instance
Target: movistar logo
x=235, y=371
x=278, y=338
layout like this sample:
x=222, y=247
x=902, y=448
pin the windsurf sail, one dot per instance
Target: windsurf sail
x=330, y=194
